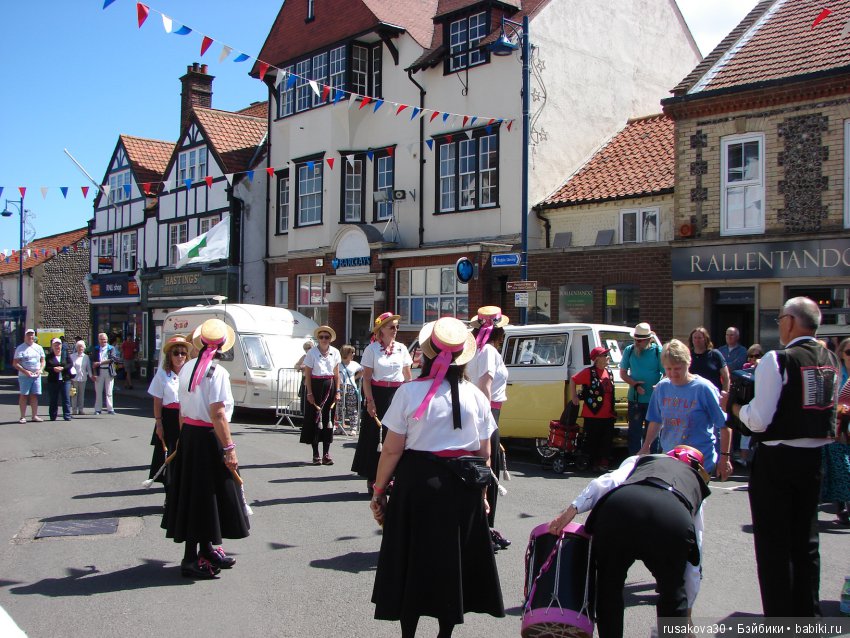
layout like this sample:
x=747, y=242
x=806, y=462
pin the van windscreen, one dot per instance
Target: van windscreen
x=536, y=350
x=616, y=340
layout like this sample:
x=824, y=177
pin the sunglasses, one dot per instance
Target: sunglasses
x=179, y=353
x=323, y=337
x=753, y=356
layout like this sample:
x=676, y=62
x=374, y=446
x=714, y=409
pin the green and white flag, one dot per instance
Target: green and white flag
x=210, y=246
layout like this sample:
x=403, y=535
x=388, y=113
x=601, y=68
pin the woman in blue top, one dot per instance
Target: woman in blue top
x=686, y=408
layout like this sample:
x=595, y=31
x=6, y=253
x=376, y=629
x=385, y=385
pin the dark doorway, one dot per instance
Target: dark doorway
x=733, y=307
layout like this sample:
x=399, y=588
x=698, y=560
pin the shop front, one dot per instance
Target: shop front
x=164, y=291
x=745, y=284
x=116, y=308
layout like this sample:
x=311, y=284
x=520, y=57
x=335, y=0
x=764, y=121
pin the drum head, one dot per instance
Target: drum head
x=554, y=630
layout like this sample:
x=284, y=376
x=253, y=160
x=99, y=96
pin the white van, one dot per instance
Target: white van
x=268, y=340
x=541, y=358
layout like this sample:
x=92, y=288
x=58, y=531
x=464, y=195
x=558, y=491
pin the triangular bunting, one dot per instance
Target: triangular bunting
x=241, y=57
x=225, y=51
x=250, y=175
x=183, y=30
x=416, y=111
x=23, y=191
x=1, y=191
x=445, y=117
x=401, y=107
x=330, y=163
x=352, y=99
x=106, y=188
x=472, y=121
x=106, y=3
x=465, y=120
x=270, y=171
x=62, y=189
x=350, y=160
x=325, y=92
x=166, y=23
x=338, y=95
x=85, y=190
x=188, y=182
x=434, y=116
x=278, y=78
x=510, y=124
x=390, y=150
x=366, y=100
x=262, y=68
x=206, y=43
x=311, y=166
x=370, y=155
x=378, y=105
x=430, y=144
x=146, y=188
x=290, y=81
x=142, y=12
x=208, y=179
x=315, y=87
x=126, y=190
x=449, y=138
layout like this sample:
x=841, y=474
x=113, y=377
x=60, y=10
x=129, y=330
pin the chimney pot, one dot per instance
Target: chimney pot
x=204, y=69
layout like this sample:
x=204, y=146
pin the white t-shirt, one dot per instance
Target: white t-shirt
x=196, y=405
x=435, y=430
x=489, y=361
x=322, y=365
x=386, y=367
x=30, y=356
x=165, y=386
x=352, y=368
x=82, y=366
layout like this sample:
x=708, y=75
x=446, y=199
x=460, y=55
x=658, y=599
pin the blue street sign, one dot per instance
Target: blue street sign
x=504, y=259
x=464, y=269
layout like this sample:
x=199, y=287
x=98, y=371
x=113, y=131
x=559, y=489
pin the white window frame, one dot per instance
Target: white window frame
x=106, y=244
x=315, y=304
x=353, y=190
x=461, y=179
x=319, y=73
x=281, y=292
x=192, y=165
x=310, y=193
x=385, y=182
x=425, y=294
x=464, y=36
x=641, y=215
x=178, y=233
x=360, y=69
x=206, y=223
x=302, y=86
x=117, y=181
x=727, y=187
x=338, y=64
x=283, y=197
x=448, y=177
x=846, y=173
x=128, y=251
x=286, y=96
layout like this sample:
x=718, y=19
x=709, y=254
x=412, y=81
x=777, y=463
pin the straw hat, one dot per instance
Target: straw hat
x=214, y=331
x=643, y=331
x=450, y=333
x=175, y=340
x=327, y=329
x=490, y=312
x=383, y=320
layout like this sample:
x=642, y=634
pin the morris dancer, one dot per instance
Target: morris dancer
x=321, y=385
x=386, y=365
x=204, y=502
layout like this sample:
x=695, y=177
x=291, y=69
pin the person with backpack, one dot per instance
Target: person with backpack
x=640, y=367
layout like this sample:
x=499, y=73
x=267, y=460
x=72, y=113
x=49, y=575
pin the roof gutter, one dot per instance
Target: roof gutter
x=421, y=158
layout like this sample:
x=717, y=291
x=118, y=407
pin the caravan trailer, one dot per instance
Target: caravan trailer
x=268, y=340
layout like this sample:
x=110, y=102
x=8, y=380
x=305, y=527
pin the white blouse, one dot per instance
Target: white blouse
x=386, y=367
x=489, y=361
x=196, y=405
x=322, y=365
x=165, y=386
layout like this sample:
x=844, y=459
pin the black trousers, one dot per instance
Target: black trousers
x=646, y=523
x=784, y=491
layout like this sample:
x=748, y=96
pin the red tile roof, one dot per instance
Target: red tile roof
x=775, y=41
x=257, y=109
x=70, y=240
x=637, y=161
x=148, y=158
x=292, y=36
x=233, y=137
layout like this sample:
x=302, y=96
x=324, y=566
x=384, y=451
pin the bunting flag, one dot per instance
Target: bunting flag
x=821, y=16
x=183, y=30
x=378, y=104
x=250, y=175
x=330, y=163
x=106, y=3
x=62, y=189
x=364, y=102
x=166, y=23
x=85, y=190
x=270, y=171
x=433, y=115
x=262, y=68
x=209, y=180
x=225, y=51
x=23, y=191
x=142, y=12
x=241, y=57
x=1, y=191
x=206, y=43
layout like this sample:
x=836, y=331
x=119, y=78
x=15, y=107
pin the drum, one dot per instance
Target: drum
x=557, y=584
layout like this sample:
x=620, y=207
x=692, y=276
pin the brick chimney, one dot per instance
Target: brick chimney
x=197, y=91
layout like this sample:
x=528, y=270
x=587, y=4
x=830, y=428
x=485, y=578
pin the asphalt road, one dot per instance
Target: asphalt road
x=307, y=568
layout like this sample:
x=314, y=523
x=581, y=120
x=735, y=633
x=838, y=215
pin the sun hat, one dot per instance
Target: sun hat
x=55, y=340
x=29, y=331
x=327, y=329
x=598, y=351
x=488, y=317
x=214, y=332
x=643, y=331
x=383, y=320
x=448, y=342
x=175, y=340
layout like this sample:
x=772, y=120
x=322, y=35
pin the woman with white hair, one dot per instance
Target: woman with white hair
x=82, y=372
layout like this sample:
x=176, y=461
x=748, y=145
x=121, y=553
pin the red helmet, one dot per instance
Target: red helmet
x=686, y=454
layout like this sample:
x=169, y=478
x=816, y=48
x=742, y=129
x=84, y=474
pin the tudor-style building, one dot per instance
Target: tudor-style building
x=396, y=143
x=762, y=167
x=158, y=194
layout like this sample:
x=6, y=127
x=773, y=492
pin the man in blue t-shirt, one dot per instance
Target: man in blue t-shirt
x=734, y=353
x=641, y=368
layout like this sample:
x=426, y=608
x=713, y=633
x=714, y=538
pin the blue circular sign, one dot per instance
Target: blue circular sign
x=464, y=270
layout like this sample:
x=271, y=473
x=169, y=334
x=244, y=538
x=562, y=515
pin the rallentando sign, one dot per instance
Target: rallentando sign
x=816, y=258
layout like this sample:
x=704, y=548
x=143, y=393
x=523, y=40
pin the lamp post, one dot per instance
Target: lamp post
x=21, y=213
x=505, y=45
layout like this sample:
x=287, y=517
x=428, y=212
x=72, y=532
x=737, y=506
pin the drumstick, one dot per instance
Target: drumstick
x=247, y=508
x=150, y=481
x=380, y=432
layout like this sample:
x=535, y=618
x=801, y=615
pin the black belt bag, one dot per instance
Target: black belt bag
x=472, y=470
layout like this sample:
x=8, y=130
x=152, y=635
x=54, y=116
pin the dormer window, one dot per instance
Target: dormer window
x=117, y=191
x=192, y=165
x=464, y=36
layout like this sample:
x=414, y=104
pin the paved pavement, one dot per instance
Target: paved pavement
x=307, y=568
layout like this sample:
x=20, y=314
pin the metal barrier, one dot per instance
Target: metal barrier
x=287, y=399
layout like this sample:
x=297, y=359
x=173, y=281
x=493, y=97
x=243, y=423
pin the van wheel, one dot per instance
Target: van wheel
x=559, y=464
x=543, y=449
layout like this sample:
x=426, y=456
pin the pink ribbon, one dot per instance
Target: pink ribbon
x=486, y=328
x=204, y=360
x=438, y=372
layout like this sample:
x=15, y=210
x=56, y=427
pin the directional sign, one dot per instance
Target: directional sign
x=502, y=260
x=521, y=300
x=520, y=286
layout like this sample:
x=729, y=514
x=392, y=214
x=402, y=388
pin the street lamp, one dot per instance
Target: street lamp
x=506, y=45
x=21, y=213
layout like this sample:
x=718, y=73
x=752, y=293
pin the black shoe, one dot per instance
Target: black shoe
x=499, y=540
x=201, y=569
x=495, y=547
x=219, y=559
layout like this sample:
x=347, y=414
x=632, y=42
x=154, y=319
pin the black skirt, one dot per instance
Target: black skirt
x=203, y=503
x=323, y=391
x=366, y=456
x=436, y=555
x=171, y=431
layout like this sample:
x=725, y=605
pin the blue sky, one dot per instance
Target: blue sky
x=76, y=76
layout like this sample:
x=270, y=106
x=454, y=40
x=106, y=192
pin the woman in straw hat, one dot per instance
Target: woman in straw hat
x=436, y=538
x=489, y=372
x=164, y=389
x=386, y=365
x=203, y=504
x=321, y=386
